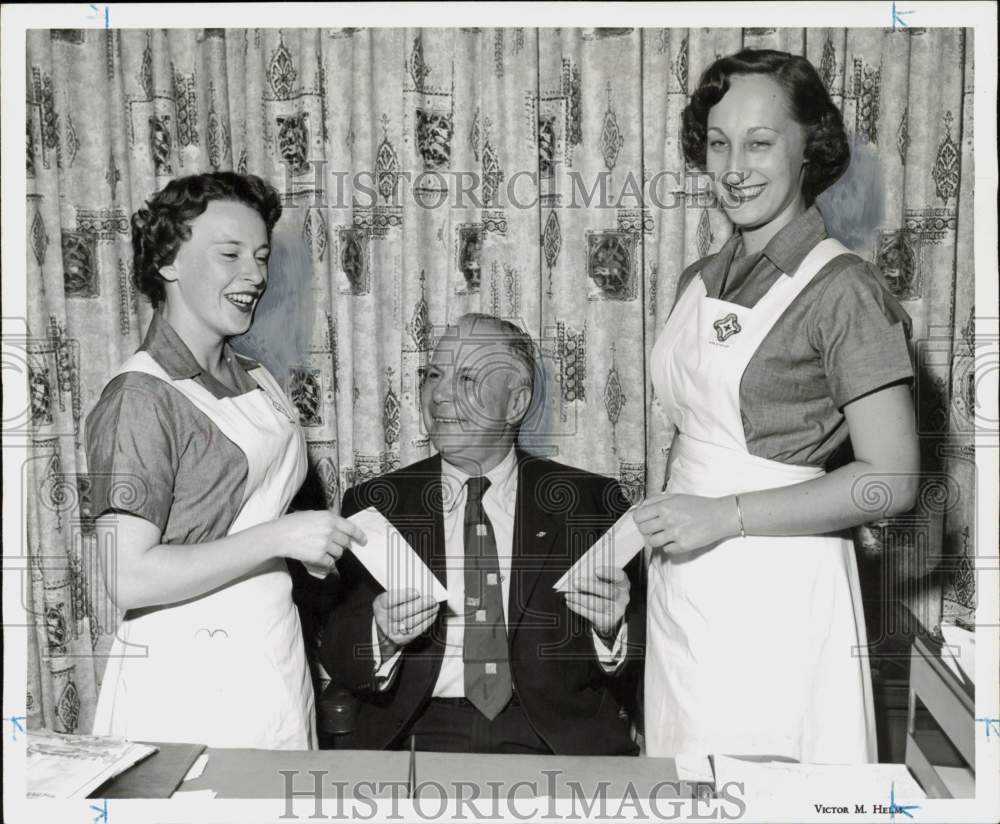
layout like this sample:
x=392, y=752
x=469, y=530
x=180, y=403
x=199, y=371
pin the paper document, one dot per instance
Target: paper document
x=391, y=560
x=194, y=795
x=73, y=766
x=696, y=769
x=197, y=768
x=778, y=781
x=615, y=548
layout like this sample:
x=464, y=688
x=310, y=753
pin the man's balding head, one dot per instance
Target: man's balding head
x=477, y=326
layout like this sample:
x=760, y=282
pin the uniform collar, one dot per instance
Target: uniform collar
x=168, y=349
x=789, y=247
x=717, y=265
x=786, y=250
x=502, y=479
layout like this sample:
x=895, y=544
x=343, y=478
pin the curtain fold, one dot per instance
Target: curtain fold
x=535, y=174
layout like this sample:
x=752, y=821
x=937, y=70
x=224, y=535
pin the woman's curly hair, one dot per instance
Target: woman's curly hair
x=159, y=229
x=827, y=153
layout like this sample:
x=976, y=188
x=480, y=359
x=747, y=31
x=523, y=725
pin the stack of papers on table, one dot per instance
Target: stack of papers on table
x=776, y=781
x=72, y=766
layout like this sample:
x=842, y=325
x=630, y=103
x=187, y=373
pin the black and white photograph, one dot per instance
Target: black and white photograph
x=483, y=411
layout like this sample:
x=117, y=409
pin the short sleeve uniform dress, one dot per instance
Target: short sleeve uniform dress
x=757, y=645
x=170, y=444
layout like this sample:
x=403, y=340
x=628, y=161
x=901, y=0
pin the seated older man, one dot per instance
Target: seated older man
x=525, y=669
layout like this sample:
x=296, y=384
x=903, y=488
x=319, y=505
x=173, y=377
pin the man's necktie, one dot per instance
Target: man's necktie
x=487, y=668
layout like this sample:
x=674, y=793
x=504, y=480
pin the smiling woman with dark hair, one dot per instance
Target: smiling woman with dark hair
x=195, y=453
x=825, y=154
x=159, y=230
x=780, y=348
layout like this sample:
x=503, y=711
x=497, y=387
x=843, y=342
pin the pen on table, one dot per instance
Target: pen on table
x=411, y=787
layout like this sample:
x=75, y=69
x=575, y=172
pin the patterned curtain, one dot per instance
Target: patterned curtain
x=533, y=174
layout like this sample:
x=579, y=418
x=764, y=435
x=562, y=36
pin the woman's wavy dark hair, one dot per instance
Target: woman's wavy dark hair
x=161, y=227
x=827, y=152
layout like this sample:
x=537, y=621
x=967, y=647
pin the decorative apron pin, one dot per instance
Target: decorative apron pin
x=726, y=327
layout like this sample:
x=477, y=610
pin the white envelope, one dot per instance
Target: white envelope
x=390, y=559
x=615, y=548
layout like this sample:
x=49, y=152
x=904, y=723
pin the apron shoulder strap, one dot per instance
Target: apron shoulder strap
x=262, y=375
x=270, y=386
x=692, y=273
x=143, y=362
x=819, y=256
x=693, y=276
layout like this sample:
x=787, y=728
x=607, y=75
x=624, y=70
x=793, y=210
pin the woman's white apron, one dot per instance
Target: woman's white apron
x=756, y=645
x=228, y=668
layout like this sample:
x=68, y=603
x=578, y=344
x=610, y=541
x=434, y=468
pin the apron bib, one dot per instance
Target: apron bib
x=227, y=668
x=755, y=646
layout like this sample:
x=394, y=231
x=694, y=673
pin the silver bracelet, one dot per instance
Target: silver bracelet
x=739, y=512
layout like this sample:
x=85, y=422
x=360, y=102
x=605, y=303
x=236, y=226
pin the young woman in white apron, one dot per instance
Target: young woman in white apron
x=210, y=649
x=756, y=641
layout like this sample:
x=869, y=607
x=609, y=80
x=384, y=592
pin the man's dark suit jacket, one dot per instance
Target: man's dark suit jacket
x=572, y=704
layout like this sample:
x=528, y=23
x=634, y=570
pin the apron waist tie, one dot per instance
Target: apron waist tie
x=702, y=468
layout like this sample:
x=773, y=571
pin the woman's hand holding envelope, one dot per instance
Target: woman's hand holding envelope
x=317, y=538
x=683, y=523
x=401, y=615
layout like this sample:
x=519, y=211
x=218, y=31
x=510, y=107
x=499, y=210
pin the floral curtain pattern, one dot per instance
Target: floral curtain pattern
x=534, y=174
